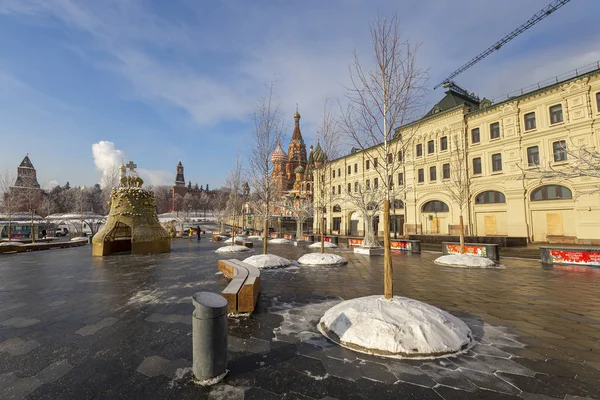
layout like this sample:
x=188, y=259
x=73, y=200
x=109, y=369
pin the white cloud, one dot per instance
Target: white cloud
x=106, y=156
x=155, y=177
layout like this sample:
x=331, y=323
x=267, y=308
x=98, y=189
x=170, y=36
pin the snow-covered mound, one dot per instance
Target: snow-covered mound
x=255, y=237
x=398, y=328
x=316, y=245
x=238, y=238
x=11, y=244
x=322, y=259
x=232, y=249
x=267, y=261
x=79, y=239
x=465, y=261
x=279, y=241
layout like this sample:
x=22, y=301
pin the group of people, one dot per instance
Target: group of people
x=198, y=232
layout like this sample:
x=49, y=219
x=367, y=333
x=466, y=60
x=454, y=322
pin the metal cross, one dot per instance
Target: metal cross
x=131, y=166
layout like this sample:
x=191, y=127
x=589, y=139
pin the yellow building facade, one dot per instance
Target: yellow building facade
x=503, y=146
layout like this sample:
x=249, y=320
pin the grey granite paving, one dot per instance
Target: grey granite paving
x=119, y=327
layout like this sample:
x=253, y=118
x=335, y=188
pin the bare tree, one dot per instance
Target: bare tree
x=369, y=201
x=300, y=209
x=459, y=185
x=109, y=180
x=235, y=201
x=9, y=199
x=570, y=162
x=380, y=100
x=218, y=207
x=328, y=149
x=268, y=125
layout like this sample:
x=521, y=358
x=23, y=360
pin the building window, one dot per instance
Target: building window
x=533, y=156
x=556, y=114
x=421, y=175
x=419, y=150
x=355, y=168
x=390, y=158
x=400, y=156
x=337, y=208
x=374, y=163
x=349, y=187
x=355, y=187
x=598, y=102
x=490, y=197
x=495, y=130
x=349, y=169
x=391, y=181
x=368, y=165
x=337, y=222
x=333, y=190
x=529, y=121
x=375, y=183
x=398, y=204
x=400, y=179
x=430, y=147
x=496, y=162
x=477, y=166
x=432, y=174
x=339, y=189
x=435, y=206
x=560, y=150
x=444, y=143
x=475, y=138
x=446, y=171
x=340, y=172
x=551, y=192
x=368, y=183
x=333, y=173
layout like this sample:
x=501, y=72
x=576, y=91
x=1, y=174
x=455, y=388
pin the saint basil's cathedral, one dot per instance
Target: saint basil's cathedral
x=293, y=172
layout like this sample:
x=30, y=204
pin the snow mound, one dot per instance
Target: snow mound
x=399, y=328
x=327, y=244
x=255, y=237
x=238, y=238
x=465, y=261
x=11, y=244
x=79, y=239
x=267, y=261
x=279, y=241
x=232, y=249
x=322, y=259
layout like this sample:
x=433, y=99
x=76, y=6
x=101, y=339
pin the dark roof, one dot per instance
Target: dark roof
x=26, y=162
x=451, y=100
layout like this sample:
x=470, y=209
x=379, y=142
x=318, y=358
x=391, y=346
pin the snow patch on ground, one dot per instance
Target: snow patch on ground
x=322, y=259
x=317, y=245
x=399, y=327
x=238, y=238
x=465, y=261
x=79, y=239
x=232, y=249
x=267, y=261
x=146, y=297
x=212, y=381
x=11, y=244
x=255, y=237
x=279, y=241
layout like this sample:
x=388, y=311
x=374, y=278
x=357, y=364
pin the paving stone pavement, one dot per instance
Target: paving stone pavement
x=77, y=327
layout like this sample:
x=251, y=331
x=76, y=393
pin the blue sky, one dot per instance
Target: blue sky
x=177, y=80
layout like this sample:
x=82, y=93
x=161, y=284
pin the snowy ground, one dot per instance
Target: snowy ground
x=267, y=261
x=232, y=249
x=11, y=244
x=322, y=259
x=255, y=237
x=465, y=261
x=398, y=328
x=279, y=241
x=327, y=244
x=238, y=238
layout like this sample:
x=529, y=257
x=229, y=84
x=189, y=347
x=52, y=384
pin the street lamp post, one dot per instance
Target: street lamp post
x=32, y=211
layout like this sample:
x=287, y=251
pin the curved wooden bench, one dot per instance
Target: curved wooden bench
x=242, y=292
x=245, y=243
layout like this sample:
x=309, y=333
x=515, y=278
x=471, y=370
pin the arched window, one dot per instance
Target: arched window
x=490, y=197
x=398, y=204
x=308, y=187
x=337, y=208
x=435, y=206
x=551, y=192
x=324, y=210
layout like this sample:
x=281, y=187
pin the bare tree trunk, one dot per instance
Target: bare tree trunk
x=266, y=229
x=322, y=234
x=388, y=291
x=462, y=235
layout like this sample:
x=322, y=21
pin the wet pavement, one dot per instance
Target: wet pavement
x=77, y=327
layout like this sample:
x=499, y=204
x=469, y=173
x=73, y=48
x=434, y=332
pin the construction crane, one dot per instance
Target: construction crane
x=543, y=13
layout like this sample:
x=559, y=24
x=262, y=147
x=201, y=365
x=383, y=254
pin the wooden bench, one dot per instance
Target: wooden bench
x=242, y=292
x=245, y=243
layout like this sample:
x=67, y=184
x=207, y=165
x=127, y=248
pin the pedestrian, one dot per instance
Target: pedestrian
x=191, y=233
x=43, y=234
x=198, y=231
